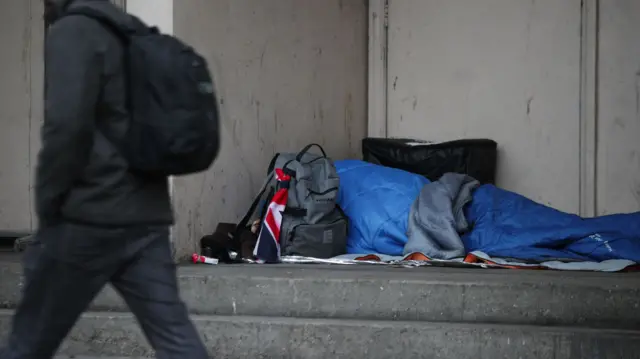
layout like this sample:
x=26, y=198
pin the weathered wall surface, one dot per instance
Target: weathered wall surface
x=618, y=122
x=153, y=12
x=511, y=70
x=21, y=94
x=508, y=70
x=289, y=72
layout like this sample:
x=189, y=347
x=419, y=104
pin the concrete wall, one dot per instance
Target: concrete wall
x=21, y=106
x=154, y=12
x=289, y=72
x=519, y=72
x=618, y=121
x=508, y=70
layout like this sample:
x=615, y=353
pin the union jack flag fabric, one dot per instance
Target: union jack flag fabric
x=267, y=249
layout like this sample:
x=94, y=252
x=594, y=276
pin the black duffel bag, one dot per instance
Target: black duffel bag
x=475, y=157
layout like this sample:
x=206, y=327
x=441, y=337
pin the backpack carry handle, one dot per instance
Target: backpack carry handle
x=307, y=148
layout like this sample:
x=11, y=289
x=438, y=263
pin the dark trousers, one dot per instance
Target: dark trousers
x=68, y=266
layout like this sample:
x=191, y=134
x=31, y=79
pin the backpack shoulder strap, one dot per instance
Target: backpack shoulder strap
x=117, y=29
x=122, y=33
x=270, y=176
x=243, y=222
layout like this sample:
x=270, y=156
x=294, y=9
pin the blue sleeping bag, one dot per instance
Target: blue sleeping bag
x=508, y=225
x=377, y=200
x=504, y=224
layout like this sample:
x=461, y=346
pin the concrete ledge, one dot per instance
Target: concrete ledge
x=420, y=294
x=117, y=335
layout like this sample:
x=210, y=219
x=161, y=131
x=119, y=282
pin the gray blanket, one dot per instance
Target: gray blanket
x=437, y=217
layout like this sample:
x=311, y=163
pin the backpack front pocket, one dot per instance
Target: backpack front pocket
x=321, y=240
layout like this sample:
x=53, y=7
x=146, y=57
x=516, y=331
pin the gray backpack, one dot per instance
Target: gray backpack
x=313, y=225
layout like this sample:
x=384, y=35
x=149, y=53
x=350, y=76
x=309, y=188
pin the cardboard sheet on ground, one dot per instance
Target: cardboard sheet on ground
x=473, y=260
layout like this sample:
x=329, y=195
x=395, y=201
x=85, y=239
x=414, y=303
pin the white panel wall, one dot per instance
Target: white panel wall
x=289, y=72
x=618, y=122
x=21, y=90
x=153, y=12
x=508, y=70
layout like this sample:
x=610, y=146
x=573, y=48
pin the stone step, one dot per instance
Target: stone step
x=604, y=300
x=118, y=335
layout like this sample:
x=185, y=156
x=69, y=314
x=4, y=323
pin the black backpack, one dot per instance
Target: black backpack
x=174, y=127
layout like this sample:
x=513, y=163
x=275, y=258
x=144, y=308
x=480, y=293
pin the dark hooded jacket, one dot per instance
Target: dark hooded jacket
x=80, y=176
